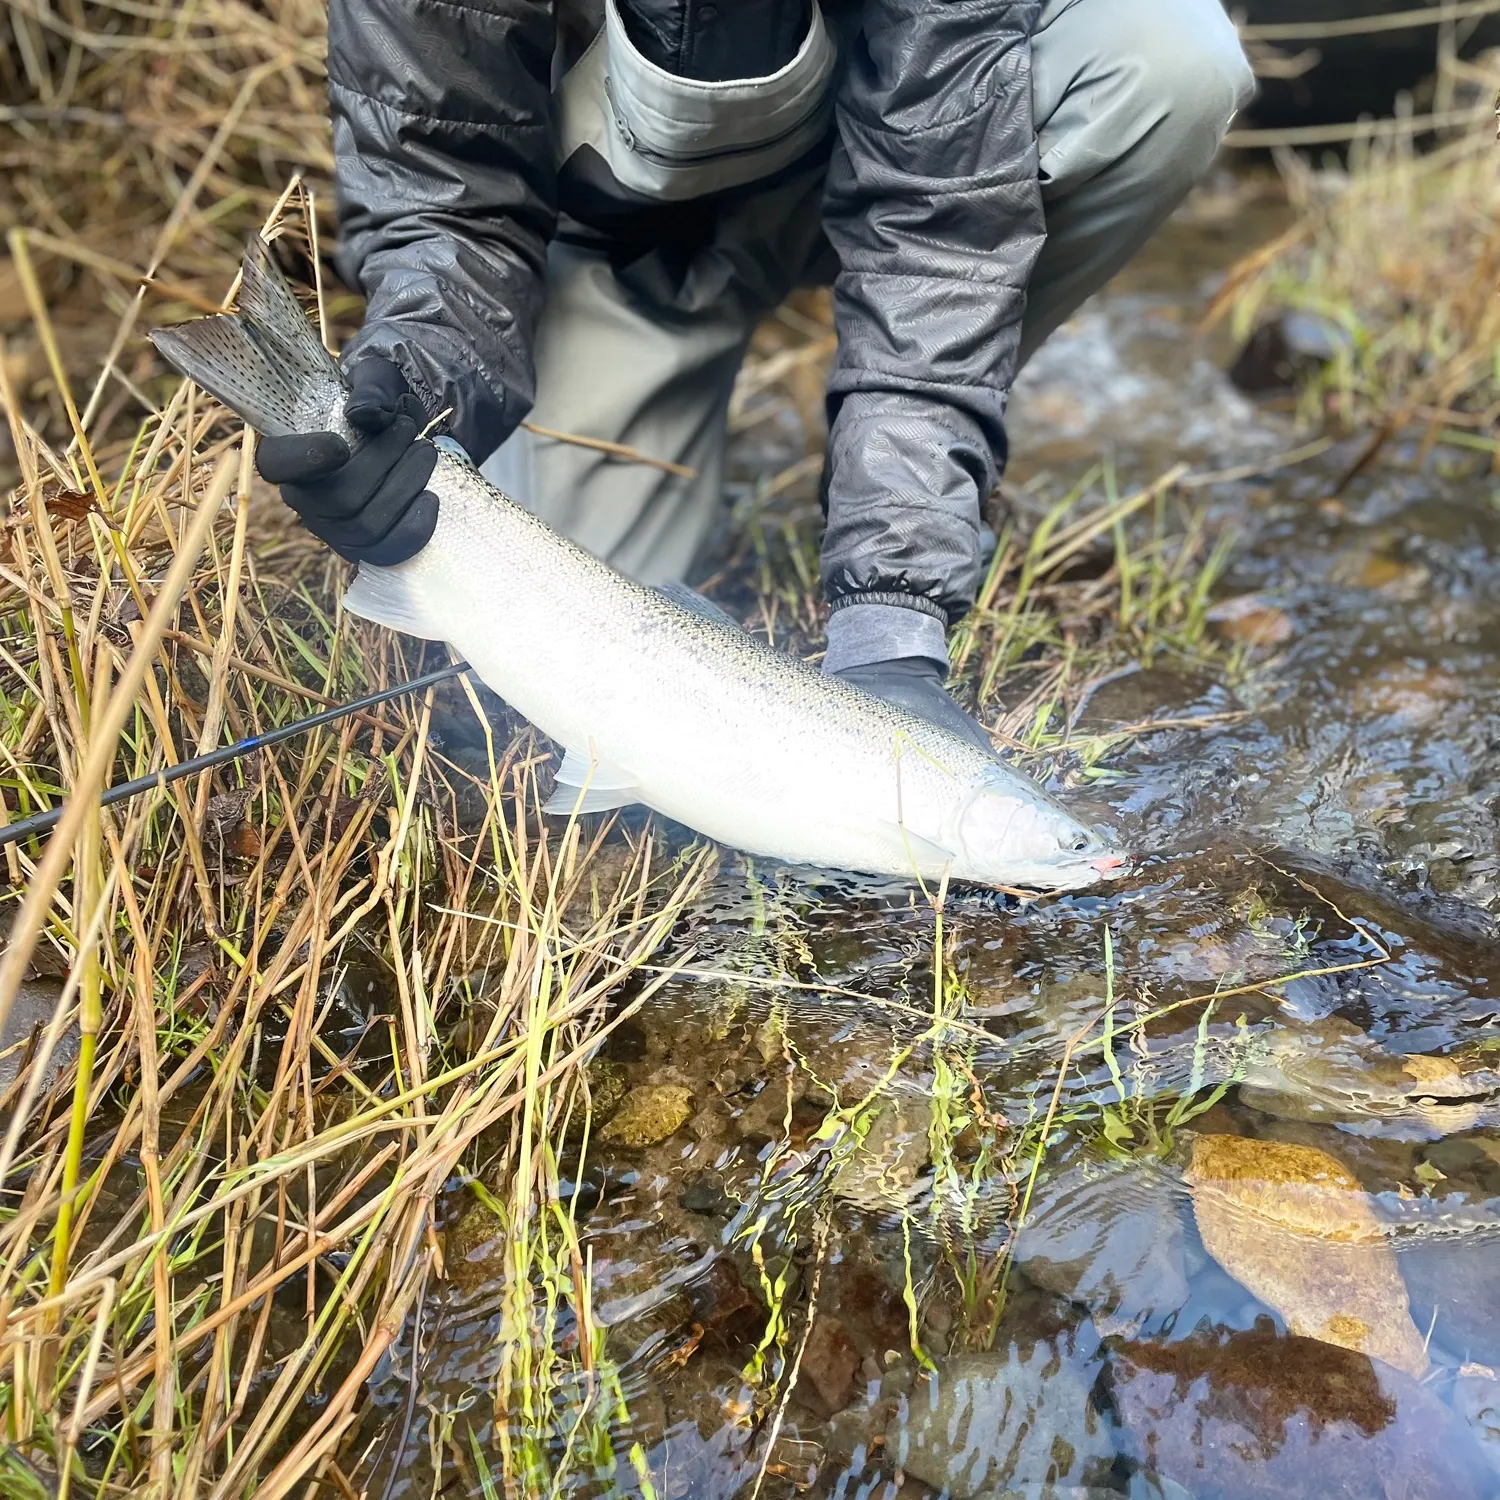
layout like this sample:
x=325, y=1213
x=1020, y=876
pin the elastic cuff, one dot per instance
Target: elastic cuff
x=862, y=632
x=898, y=599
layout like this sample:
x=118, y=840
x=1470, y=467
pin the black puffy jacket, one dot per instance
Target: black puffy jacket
x=449, y=193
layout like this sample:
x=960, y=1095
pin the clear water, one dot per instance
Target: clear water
x=868, y=1122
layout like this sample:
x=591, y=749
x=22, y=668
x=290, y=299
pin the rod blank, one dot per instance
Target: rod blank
x=125, y=790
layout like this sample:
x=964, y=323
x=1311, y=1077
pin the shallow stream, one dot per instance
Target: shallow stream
x=847, y=1105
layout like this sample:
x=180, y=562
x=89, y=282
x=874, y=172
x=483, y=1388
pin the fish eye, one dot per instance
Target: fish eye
x=1080, y=844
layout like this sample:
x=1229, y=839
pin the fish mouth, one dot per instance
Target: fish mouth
x=1087, y=872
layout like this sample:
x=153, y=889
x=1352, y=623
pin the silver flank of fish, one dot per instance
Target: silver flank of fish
x=654, y=702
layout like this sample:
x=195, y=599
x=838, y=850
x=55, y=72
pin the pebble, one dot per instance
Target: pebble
x=829, y=1362
x=474, y=1249
x=608, y=1085
x=1414, y=697
x=705, y=1195
x=1476, y=1399
x=1250, y=620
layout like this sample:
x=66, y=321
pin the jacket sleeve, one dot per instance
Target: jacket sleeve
x=934, y=208
x=443, y=145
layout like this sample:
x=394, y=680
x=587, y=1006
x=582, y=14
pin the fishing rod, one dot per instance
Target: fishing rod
x=125, y=790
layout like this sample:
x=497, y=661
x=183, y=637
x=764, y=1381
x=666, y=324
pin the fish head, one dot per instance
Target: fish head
x=1013, y=833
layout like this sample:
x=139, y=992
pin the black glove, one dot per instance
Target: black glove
x=371, y=505
x=916, y=682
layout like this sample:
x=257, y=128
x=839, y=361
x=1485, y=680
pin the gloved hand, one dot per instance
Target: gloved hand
x=371, y=504
x=916, y=682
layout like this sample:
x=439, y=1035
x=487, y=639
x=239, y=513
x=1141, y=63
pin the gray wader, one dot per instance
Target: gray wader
x=1130, y=99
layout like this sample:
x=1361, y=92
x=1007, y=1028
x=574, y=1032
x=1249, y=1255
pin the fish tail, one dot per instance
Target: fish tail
x=263, y=362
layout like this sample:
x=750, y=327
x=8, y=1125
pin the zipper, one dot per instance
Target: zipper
x=663, y=158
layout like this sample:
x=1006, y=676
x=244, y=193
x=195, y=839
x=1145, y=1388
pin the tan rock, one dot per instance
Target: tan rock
x=648, y=1115
x=1390, y=575
x=1414, y=696
x=1250, y=620
x=1292, y=1224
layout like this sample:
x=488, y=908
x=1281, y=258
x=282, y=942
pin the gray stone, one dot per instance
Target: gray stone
x=1476, y=1398
x=1112, y=1243
x=1011, y=1420
x=30, y=1016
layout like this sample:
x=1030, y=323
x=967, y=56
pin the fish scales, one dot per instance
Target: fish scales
x=654, y=702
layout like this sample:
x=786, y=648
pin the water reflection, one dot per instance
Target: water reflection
x=1238, y=1416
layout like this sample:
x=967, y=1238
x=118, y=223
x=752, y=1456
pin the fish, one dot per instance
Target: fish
x=653, y=698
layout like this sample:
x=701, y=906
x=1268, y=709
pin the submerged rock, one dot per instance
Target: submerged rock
x=608, y=1085
x=475, y=1249
x=1442, y=1092
x=1454, y=1282
x=1003, y=1422
x=1293, y=1226
x=1476, y=1399
x=1250, y=620
x=829, y=1363
x=649, y=1114
x=1286, y=350
x=1262, y=1416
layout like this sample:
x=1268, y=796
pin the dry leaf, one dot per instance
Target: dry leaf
x=71, y=505
x=1294, y=1226
x=244, y=840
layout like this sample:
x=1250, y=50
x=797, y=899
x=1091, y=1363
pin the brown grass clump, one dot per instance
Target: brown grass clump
x=1399, y=253
x=219, y=1215
x=247, y=1136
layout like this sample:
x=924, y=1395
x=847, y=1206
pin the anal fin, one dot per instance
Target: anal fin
x=586, y=784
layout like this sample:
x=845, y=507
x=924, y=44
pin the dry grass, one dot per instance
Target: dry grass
x=219, y=1219
x=1400, y=253
x=245, y=1138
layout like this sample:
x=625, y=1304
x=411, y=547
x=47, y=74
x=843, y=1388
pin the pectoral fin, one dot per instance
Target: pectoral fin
x=586, y=784
x=927, y=858
x=392, y=597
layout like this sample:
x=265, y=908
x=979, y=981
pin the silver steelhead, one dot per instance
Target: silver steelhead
x=654, y=702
